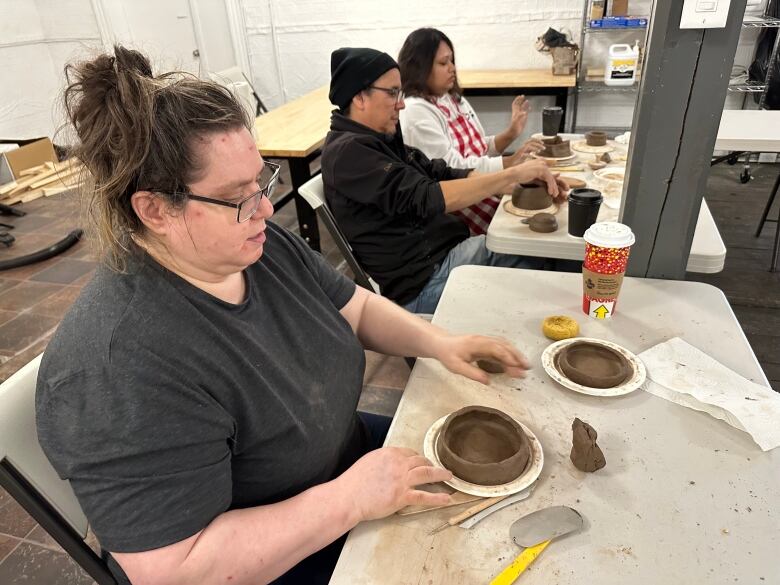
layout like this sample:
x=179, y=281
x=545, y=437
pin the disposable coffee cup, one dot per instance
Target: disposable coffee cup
x=607, y=246
x=551, y=120
x=584, y=207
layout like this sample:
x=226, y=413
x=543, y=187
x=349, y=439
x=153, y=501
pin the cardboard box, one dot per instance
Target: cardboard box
x=618, y=8
x=597, y=9
x=30, y=155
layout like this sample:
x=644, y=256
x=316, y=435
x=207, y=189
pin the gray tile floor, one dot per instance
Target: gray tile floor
x=34, y=298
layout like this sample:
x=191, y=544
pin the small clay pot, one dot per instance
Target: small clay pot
x=490, y=367
x=593, y=365
x=531, y=196
x=544, y=223
x=556, y=147
x=596, y=138
x=483, y=446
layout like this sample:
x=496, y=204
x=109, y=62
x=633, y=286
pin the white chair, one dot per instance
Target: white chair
x=27, y=475
x=234, y=79
x=313, y=192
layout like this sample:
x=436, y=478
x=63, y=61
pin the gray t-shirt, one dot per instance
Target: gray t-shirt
x=165, y=406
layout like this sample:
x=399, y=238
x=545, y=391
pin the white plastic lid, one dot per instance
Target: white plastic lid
x=609, y=234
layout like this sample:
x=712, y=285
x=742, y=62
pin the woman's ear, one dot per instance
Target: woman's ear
x=152, y=210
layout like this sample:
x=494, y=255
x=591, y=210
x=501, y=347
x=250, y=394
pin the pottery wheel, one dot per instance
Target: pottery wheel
x=583, y=146
x=528, y=212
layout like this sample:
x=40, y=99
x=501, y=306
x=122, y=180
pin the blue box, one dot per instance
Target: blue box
x=636, y=22
x=609, y=22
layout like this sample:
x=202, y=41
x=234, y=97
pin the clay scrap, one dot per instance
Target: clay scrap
x=484, y=446
x=585, y=452
x=490, y=366
x=593, y=365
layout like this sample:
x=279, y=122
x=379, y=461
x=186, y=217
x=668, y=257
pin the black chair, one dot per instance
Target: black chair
x=27, y=475
x=770, y=201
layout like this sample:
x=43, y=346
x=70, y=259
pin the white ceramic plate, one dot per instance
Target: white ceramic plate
x=633, y=383
x=583, y=146
x=527, y=478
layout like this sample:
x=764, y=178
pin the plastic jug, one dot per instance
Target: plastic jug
x=621, y=65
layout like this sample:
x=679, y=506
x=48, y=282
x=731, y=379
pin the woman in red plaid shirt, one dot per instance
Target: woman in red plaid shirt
x=440, y=121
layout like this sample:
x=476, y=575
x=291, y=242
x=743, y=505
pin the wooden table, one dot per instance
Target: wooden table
x=684, y=498
x=518, y=81
x=295, y=132
x=744, y=131
x=507, y=235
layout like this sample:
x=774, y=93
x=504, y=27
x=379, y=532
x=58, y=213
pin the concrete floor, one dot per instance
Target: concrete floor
x=33, y=300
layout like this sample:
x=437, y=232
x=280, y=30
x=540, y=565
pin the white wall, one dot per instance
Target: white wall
x=37, y=38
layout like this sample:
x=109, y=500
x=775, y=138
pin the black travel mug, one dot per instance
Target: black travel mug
x=551, y=120
x=584, y=207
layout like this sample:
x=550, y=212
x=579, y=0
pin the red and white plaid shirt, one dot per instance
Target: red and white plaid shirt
x=470, y=142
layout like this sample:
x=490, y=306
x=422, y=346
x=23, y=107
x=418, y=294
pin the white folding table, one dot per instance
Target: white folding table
x=684, y=497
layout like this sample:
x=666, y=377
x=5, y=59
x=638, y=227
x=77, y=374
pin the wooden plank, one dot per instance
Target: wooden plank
x=7, y=187
x=36, y=170
x=512, y=78
x=57, y=176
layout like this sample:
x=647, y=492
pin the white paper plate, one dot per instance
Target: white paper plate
x=583, y=146
x=527, y=478
x=528, y=212
x=633, y=383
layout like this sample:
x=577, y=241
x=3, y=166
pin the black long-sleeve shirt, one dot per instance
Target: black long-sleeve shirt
x=387, y=200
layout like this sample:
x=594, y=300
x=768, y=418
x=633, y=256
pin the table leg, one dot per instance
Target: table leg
x=307, y=219
x=561, y=100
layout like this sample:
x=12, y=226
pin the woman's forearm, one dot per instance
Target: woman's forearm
x=248, y=546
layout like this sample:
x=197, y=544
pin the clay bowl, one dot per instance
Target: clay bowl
x=531, y=196
x=596, y=138
x=483, y=446
x=556, y=147
x=543, y=223
x=594, y=366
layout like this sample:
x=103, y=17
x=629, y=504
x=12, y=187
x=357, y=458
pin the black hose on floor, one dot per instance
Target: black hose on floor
x=45, y=254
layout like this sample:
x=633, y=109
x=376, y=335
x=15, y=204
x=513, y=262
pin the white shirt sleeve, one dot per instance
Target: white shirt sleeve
x=424, y=127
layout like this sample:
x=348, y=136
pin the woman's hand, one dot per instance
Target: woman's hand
x=385, y=480
x=458, y=352
x=520, y=109
x=523, y=153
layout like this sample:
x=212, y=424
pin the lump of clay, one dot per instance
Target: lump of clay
x=543, y=223
x=531, y=196
x=605, y=158
x=483, y=446
x=556, y=147
x=596, y=138
x=593, y=365
x=490, y=366
x=585, y=453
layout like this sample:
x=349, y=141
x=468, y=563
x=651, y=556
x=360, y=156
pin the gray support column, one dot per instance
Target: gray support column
x=681, y=95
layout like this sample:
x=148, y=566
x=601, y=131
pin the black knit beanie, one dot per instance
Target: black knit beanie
x=353, y=70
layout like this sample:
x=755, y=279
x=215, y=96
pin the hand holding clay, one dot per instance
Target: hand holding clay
x=532, y=170
x=458, y=354
x=563, y=188
x=523, y=153
x=520, y=109
x=384, y=480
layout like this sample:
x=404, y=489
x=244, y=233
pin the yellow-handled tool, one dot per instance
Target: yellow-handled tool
x=534, y=532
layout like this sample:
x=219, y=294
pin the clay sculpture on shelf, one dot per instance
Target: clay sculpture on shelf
x=585, y=452
x=593, y=365
x=483, y=446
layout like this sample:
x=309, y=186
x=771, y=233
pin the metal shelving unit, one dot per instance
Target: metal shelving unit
x=589, y=86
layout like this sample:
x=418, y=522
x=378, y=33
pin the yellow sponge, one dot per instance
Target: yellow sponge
x=560, y=327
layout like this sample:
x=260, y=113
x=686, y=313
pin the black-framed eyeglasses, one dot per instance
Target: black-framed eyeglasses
x=393, y=92
x=248, y=206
